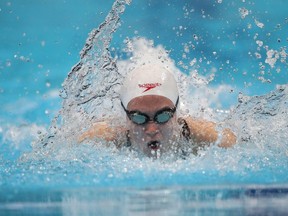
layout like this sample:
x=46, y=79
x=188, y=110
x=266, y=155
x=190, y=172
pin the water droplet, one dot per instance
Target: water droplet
x=48, y=84
x=243, y=12
x=8, y=64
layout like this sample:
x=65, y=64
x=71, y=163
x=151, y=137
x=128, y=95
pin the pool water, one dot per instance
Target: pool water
x=230, y=58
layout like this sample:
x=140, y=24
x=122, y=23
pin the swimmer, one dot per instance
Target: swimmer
x=150, y=98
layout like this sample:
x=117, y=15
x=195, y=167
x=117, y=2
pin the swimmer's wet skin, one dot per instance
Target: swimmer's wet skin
x=149, y=96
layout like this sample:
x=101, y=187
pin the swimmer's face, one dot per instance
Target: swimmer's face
x=151, y=138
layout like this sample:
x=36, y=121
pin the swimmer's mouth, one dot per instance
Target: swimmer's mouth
x=154, y=145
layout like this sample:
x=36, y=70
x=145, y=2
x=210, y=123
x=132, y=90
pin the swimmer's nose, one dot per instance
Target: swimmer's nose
x=151, y=128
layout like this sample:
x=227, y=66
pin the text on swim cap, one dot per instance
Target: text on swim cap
x=149, y=86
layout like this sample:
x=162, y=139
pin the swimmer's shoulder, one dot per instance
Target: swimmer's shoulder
x=202, y=131
x=104, y=130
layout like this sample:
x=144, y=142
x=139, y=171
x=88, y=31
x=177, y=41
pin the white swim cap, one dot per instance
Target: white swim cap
x=149, y=80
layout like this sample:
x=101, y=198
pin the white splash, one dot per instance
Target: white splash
x=259, y=24
x=243, y=12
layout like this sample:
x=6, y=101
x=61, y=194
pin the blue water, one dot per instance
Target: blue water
x=223, y=45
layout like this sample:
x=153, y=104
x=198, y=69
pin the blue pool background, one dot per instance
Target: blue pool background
x=40, y=42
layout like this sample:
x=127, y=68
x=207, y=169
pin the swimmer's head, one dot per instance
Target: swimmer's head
x=149, y=80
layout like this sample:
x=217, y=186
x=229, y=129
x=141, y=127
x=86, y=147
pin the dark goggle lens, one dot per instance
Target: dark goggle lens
x=160, y=118
x=163, y=117
x=138, y=118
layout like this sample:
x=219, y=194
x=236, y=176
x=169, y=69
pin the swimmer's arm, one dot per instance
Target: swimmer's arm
x=202, y=131
x=102, y=130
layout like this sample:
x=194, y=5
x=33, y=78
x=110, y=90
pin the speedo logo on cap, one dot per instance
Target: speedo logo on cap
x=149, y=86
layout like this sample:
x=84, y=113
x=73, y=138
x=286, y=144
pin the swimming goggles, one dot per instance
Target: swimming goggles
x=161, y=117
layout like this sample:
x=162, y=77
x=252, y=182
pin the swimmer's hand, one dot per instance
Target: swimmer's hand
x=202, y=131
x=99, y=130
